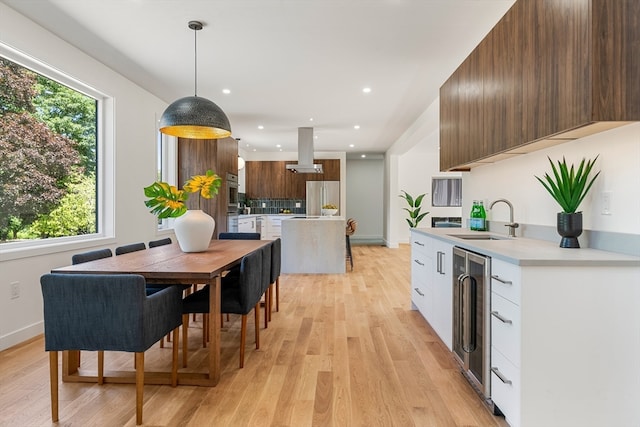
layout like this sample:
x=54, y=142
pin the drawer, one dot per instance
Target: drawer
x=505, y=387
x=421, y=243
x=505, y=280
x=505, y=328
x=422, y=298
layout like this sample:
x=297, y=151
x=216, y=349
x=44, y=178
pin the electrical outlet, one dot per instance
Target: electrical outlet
x=606, y=203
x=297, y=204
x=15, y=290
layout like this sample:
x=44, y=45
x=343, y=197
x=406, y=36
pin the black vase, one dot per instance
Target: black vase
x=569, y=227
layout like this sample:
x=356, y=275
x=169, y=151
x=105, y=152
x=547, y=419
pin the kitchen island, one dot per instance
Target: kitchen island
x=313, y=245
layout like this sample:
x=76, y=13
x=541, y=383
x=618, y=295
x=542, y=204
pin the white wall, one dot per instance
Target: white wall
x=133, y=157
x=514, y=179
x=364, y=193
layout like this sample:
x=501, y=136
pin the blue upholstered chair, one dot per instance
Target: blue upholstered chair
x=104, y=312
x=86, y=257
x=160, y=242
x=237, y=298
x=91, y=256
x=133, y=247
x=239, y=236
x=276, y=263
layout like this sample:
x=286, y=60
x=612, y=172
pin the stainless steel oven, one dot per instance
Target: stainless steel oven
x=471, y=317
x=232, y=192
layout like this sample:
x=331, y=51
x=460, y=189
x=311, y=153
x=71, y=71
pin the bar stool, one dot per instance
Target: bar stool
x=352, y=224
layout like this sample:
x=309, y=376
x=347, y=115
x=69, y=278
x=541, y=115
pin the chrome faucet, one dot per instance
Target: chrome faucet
x=512, y=225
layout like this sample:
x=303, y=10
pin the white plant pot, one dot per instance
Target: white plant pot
x=194, y=230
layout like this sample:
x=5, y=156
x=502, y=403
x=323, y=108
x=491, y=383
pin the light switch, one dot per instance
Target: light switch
x=606, y=203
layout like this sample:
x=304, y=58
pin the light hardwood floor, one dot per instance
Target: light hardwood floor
x=344, y=350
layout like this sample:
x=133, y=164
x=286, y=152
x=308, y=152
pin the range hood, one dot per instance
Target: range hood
x=305, y=153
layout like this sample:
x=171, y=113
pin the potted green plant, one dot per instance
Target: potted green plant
x=568, y=187
x=414, y=208
x=193, y=228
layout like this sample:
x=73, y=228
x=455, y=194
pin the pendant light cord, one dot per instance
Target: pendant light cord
x=195, y=61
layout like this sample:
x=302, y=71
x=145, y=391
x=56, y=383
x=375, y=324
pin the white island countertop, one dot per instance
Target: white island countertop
x=313, y=244
x=529, y=252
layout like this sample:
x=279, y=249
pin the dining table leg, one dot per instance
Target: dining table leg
x=214, y=329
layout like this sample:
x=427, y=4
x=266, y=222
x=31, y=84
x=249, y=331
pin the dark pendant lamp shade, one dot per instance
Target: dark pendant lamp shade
x=195, y=117
x=192, y=116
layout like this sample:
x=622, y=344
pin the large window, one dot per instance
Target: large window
x=48, y=156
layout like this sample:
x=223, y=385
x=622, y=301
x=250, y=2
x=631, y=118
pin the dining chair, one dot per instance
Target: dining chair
x=86, y=257
x=133, y=247
x=236, y=298
x=91, y=256
x=276, y=264
x=160, y=242
x=107, y=312
x=238, y=236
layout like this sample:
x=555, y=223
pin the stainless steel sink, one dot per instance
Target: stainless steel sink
x=479, y=237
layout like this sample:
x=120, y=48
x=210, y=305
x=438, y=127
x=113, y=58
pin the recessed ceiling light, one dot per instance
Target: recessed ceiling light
x=255, y=149
x=226, y=91
x=310, y=119
x=260, y=127
x=356, y=127
x=352, y=145
x=363, y=155
x=366, y=90
x=278, y=145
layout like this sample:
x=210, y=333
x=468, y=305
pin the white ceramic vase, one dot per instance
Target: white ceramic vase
x=194, y=230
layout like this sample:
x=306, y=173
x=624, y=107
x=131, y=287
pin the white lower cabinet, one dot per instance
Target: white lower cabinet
x=565, y=344
x=431, y=283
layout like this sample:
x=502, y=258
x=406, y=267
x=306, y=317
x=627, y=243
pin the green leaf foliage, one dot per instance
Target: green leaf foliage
x=165, y=200
x=414, y=208
x=569, y=186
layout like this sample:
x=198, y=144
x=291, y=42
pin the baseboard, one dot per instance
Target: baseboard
x=21, y=335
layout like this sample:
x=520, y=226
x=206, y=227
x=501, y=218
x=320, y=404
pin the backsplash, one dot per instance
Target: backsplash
x=273, y=206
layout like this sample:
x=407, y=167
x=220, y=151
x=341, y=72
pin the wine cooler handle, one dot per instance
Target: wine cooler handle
x=460, y=314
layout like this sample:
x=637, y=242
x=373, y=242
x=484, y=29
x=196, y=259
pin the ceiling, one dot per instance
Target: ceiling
x=284, y=61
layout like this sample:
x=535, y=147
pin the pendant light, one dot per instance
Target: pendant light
x=193, y=116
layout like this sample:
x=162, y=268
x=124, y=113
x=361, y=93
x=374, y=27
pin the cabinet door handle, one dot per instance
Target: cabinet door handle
x=506, y=282
x=418, y=291
x=417, y=242
x=440, y=264
x=418, y=262
x=500, y=375
x=500, y=317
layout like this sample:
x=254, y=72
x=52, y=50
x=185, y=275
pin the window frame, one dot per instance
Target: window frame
x=105, y=174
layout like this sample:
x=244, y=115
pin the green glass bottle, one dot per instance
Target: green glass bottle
x=474, y=216
x=482, y=217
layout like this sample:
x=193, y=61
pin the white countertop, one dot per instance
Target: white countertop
x=529, y=252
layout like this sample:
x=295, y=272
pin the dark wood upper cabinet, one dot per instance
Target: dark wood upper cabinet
x=271, y=179
x=548, y=72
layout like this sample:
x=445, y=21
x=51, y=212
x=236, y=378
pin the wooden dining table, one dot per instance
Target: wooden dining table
x=169, y=265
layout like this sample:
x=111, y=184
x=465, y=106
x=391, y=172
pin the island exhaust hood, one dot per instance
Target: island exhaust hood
x=305, y=153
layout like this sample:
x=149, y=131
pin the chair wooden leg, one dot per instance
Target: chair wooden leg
x=266, y=308
x=174, y=357
x=278, y=294
x=243, y=336
x=139, y=386
x=270, y=300
x=257, y=316
x=100, y=367
x=185, y=340
x=53, y=379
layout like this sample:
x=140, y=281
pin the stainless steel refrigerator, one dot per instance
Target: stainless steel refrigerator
x=320, y=193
